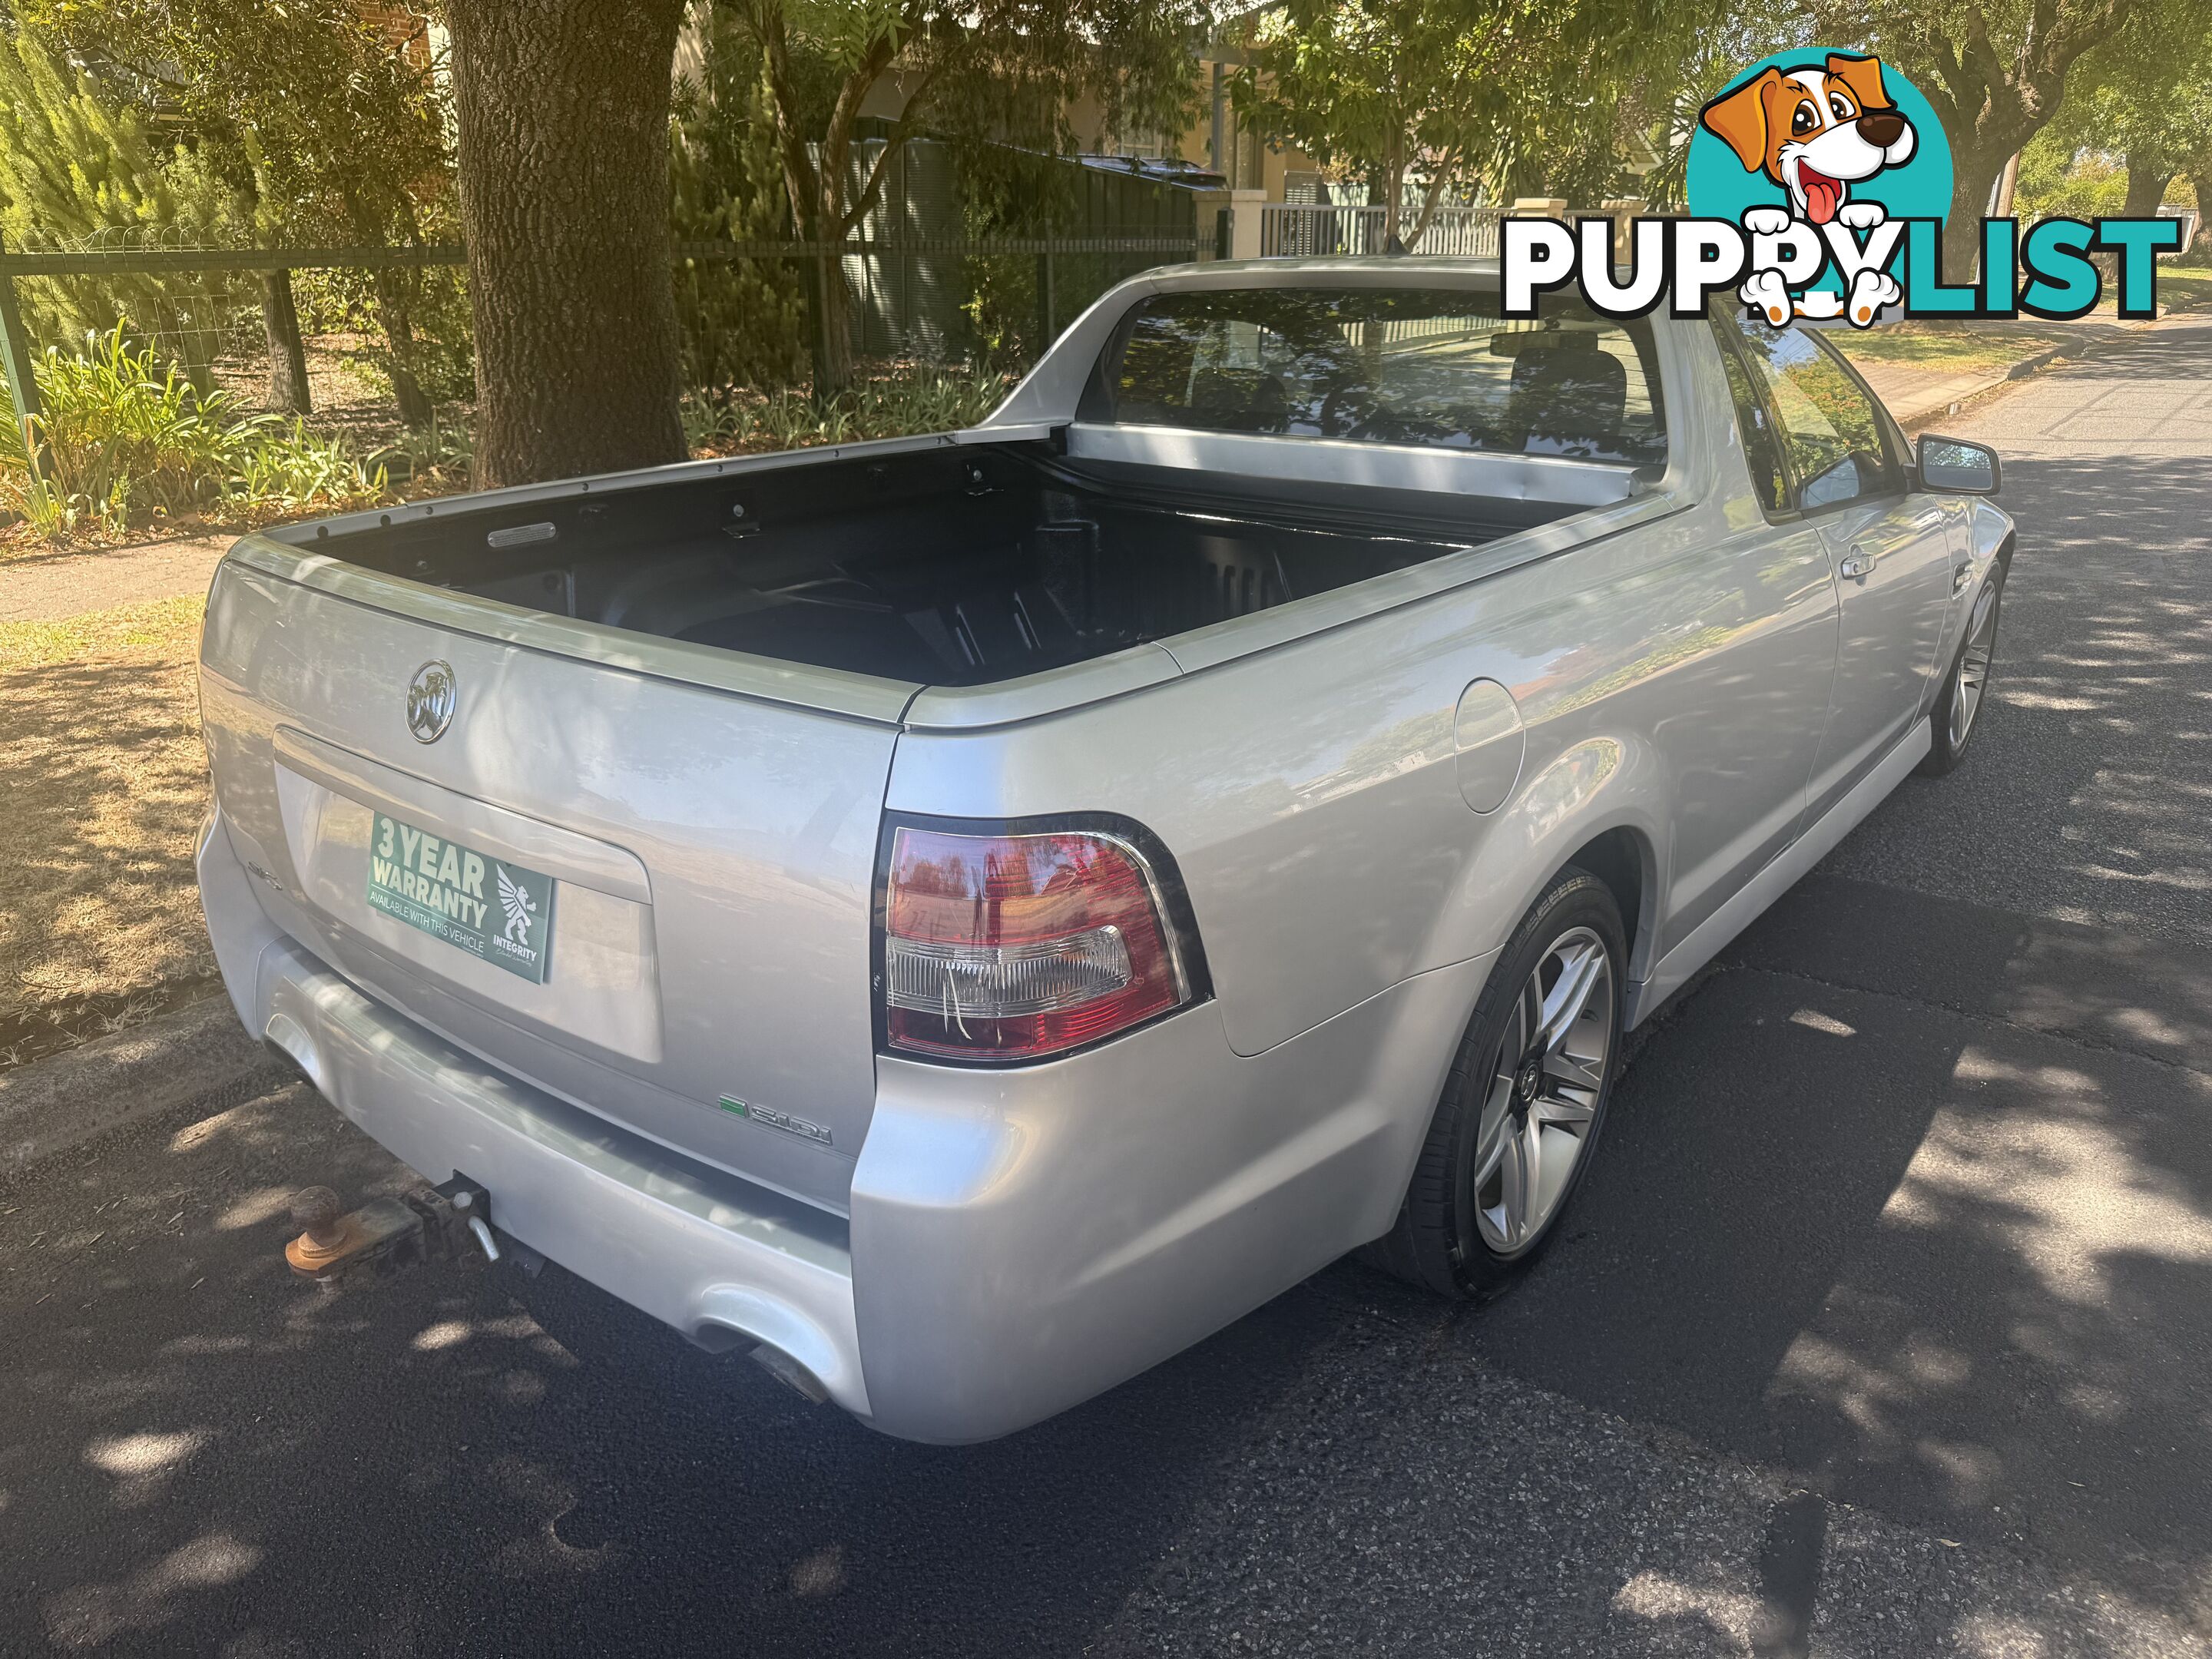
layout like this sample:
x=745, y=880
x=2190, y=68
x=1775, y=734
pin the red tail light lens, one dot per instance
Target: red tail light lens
x=1014, y=947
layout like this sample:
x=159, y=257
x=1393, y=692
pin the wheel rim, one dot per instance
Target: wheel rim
x=1973, y=670
x=1542, y=1097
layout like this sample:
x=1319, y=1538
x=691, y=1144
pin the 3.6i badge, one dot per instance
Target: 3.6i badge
x=497, y=911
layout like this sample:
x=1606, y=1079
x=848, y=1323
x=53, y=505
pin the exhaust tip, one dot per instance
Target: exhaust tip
x=284, y=1038
x=789, y=1372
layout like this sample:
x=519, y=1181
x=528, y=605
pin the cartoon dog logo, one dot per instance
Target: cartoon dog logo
x=1815, y=130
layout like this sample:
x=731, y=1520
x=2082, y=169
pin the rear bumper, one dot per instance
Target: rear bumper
x=1019, y=1240
x=720, y=1259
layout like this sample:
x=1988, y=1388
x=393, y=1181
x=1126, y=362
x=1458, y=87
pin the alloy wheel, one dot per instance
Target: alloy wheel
x=1542, y=1098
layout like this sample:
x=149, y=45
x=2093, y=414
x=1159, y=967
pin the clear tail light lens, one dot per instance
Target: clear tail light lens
x=1018, y=946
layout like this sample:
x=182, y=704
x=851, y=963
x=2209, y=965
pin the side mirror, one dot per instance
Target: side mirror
x=1956, y=467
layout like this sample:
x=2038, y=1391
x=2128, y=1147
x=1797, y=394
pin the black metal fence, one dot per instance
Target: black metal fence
x=221, y=315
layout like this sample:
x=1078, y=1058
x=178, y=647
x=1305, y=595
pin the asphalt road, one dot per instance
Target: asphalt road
x=1883, y=1328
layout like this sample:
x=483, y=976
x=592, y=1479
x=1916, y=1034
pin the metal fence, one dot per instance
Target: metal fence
x=221, y=317
x=1289, y=230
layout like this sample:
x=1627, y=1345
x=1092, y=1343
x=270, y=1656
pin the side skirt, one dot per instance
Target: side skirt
x=1777, y=878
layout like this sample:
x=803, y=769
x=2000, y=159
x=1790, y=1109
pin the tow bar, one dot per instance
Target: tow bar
x=451, y=1221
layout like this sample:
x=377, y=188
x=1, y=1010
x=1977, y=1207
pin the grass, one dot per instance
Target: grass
x=2184, y=286
x=1971, y=349
x=1984, y=348
x=101, y=767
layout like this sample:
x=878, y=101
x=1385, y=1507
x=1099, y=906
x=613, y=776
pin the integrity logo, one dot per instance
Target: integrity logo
x=1819, y=183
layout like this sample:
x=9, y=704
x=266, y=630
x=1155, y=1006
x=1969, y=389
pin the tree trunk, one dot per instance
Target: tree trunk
x=393, y=314
x=1974, y=170
x=2148, y=177
x=287, y=352
x=1394, y=201
x=561, y=116
x=831, y=314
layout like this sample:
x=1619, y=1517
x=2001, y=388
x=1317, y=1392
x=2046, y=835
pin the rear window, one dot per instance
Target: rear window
x=1432, y=367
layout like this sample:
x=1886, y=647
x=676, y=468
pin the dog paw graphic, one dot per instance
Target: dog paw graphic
x=1763, y=291
x=1821, y=304
x=1862, y=215
x=1765, y=220
x=1870, y=291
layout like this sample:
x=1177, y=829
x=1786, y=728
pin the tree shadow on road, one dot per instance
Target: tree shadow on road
x=1949, y=1264
x=197, y=1449
x=2090, y=786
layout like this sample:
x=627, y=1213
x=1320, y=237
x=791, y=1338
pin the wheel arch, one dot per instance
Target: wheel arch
x=1626, y=860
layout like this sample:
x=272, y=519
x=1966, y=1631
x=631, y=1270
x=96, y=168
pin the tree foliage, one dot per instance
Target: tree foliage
x=338, y=133
x=80, y=169
x=1994, y=70
x=740, y=322
x=969, y=71
x=1517, y=93
x=2146, y=95
x=311, y=112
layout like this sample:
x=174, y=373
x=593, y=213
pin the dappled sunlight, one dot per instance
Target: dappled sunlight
x=1813, y=1020
x=2075, y=1184
x=142, y=1462
x=2065, y=1189
x=1721, y=1613
x=255, y=1207
x=818, y=1573
x=1888, y=1593
x=168, y=1296
x=2088, y=795
x=93, y=1614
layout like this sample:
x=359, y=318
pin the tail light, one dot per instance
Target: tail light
x=1008, y=947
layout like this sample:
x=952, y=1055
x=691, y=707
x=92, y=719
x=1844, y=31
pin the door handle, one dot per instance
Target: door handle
x=1856, y=565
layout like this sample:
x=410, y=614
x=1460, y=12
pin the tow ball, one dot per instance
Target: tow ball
x=451, y=1221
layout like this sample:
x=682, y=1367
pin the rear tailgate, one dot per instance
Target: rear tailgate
x=648, y=895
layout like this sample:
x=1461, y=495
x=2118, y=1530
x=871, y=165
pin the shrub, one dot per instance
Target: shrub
x=80, y=167
x=284, y=468
x=739, y=322
x=124, y=436
x=908, y=399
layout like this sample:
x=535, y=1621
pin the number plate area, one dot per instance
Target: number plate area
x=498, y=911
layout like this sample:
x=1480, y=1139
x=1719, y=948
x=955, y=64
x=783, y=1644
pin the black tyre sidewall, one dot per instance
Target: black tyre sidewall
x=1942, y=757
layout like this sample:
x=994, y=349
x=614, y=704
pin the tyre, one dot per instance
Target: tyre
x=1957, y=714
x=1521, y=1111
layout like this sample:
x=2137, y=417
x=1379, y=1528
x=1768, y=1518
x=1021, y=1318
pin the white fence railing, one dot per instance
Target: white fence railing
x=1289, y=230
x=2189, y=226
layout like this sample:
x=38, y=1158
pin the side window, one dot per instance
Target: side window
x=1762, y=448
x=1830, y=434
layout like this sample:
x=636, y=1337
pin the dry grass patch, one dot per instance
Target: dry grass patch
x=105, y=784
